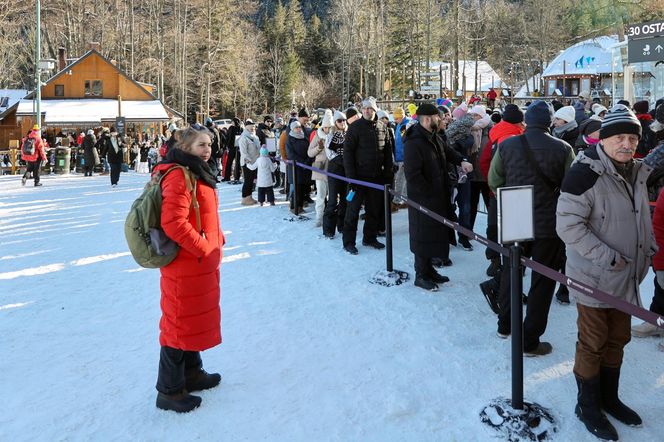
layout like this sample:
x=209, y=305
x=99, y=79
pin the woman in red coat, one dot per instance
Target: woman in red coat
x=191, y=315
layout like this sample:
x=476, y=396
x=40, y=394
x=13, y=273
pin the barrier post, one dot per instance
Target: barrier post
x=294, y=190
x=388, y=228
x=518, y=419
x=516, y=283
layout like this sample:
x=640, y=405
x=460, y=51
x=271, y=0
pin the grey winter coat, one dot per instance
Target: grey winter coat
x=249, y=148
x=601, y=217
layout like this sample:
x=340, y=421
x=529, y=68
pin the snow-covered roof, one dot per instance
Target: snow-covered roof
x=9, y=97
x=94, y=111
x=486, y=76
x=589, y=57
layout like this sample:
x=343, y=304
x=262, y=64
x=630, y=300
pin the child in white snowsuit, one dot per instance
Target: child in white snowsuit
x=264, y=181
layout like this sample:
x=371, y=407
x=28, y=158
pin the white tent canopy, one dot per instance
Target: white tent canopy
x=589, y=57
x=94, y=111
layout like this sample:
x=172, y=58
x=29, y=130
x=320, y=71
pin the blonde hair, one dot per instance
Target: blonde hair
x=184, y=138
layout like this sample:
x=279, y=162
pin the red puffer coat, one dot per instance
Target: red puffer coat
x=190, y=291
x=40, y=147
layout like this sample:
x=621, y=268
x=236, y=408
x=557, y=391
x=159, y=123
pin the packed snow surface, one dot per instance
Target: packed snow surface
x=312, y=351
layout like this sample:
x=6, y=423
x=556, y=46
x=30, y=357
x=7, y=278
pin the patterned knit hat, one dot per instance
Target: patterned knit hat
x=619, y=120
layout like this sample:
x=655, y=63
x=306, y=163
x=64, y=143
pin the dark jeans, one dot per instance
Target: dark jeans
x=34, y=167
x=173, y=364
x=302, y=192
x=115, y=172
x=657, y=305
x=266, y=191
x=477, y=189
x=372, y=199
x=492, y=227
x=463, y=201
x=549, y=252
x=237, y=169
x=88, y=169
x=248, y=184
x=335, y=210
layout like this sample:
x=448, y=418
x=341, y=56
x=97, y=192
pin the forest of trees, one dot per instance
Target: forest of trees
x=249, y=57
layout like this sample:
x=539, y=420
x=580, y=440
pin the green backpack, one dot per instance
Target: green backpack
x=147, y=242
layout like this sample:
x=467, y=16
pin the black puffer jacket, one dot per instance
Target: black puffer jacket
x=367, y=152
x=425, y=165
x=553, y=157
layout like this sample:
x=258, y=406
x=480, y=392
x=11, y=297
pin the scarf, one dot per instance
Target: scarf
x=199, y=167
x=114, y=142
x=298, y=135
x=558, y=132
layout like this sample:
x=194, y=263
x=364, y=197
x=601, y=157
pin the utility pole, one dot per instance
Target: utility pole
x=37, y=66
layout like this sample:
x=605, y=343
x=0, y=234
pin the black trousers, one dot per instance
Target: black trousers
x=335, y=209
x=228, y=163
x=115, y=172
x=302, y=192
x=173, y=363
x=266, y=191
x=423, y=266
x=547, y=251
x=657, y=305
x=88, y=169
x=477, y=189
x=237, y=170
x=248, y=184
x=35, y=168
x=372, y=200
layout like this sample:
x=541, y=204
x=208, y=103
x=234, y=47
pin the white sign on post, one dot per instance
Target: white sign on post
x=515, y=214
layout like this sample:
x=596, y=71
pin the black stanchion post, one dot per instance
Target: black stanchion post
x=294, y=190
x=388, y=228
x=516, y=283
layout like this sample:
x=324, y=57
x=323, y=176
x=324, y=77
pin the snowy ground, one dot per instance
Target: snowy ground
x=311, y=350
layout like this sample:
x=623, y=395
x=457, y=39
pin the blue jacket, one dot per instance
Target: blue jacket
x=399, y=132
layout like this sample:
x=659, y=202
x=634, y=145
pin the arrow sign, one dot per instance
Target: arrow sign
x=647, y=49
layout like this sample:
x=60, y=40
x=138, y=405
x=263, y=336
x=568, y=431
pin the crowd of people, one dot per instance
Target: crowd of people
x=596, y=173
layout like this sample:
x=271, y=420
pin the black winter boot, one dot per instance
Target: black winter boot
x=181, y=402
x=494, y=267
x=588, y=409
x=609, y=380
x=198, y=379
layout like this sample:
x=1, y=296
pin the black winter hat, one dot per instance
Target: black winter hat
x=351, y=112
x=496, y=117
x=556, y=105
x=641, y=107
x=619, y=120
x=427, y=109
x=591, y=126
x=303, y=113
x=512, y=114
x=623, y=102
x=538, y=114
x=659, y=113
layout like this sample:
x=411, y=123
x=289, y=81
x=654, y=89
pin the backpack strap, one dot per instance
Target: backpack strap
x=190, y=183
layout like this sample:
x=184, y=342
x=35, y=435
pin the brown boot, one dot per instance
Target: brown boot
x=198, y=379
x=248, y=201
x=181, y=402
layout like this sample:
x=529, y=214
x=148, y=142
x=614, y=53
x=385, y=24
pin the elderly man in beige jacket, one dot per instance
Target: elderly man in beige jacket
x=603, y=218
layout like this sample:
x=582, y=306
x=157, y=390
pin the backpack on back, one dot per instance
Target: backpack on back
x=28, y=146
x=147, y=242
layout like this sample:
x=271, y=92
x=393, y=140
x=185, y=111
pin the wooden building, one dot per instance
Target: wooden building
x=87, y=93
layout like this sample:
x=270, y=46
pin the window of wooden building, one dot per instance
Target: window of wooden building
x=93, y=88
x=59, y=90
